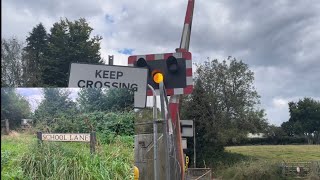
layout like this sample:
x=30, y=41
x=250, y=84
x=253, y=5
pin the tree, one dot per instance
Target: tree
x=14, y=107
x=55, y=103
x=304, y=119
x=11, y=63
x=223, y=105
x=69, y=42
x=34, y=57
x=275, y=132
x=118, y=99
x=91, y=99
x=97, y=99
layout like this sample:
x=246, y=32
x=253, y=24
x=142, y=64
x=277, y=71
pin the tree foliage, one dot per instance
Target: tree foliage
x=101, y=110
x=97, y=99
x=34, y=56
x=304, y=118
x=69, y=42
x=14, y=107
x=119, y=99
x=46, y=59
x=91, y=99
x=56, y=103
x=11, y=63
x=223, y=104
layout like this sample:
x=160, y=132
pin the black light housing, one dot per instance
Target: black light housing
x=172, y=64
x=172, y=70
x=141, y=62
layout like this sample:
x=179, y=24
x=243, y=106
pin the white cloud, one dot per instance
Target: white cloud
x=279, y=103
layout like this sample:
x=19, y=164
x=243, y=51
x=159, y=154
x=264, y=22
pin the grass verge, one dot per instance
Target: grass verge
x=23, y=158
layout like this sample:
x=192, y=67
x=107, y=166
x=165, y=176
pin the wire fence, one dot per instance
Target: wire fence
x=300, y=169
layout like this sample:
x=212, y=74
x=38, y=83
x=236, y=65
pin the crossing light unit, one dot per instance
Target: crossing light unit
x=157, y=76
x=173, y=69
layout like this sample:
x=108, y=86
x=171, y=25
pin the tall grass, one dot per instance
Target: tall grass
x=62, y=160
x=262, y=170
x=263, y=161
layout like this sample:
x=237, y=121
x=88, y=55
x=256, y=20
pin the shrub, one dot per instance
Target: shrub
x=109, y=124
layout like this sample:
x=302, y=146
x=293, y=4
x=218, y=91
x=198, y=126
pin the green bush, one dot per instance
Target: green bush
x=109, y=124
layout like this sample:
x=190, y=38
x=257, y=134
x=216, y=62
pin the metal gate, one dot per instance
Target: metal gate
x=199, y=174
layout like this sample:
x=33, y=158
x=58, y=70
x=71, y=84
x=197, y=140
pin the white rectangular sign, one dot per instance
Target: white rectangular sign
x=184, y=143
x=103, y=76
x=186, y=128
x=65, y=137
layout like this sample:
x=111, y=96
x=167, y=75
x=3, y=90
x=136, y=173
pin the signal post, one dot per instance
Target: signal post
x=175, y=72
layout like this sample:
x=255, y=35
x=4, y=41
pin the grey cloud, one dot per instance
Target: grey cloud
x=148, y=26
x=272, y=36
x=54, y=8
x=279, y=39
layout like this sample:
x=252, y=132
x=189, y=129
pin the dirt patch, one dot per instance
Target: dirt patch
x=14, y=134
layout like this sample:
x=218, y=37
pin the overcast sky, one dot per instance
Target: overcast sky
x=278, y=39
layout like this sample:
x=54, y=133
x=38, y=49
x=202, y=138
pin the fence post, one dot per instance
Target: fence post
x=92, y=142
x=315, y=168
x=7, y=126
x=39, y=137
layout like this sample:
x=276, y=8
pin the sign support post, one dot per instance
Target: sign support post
x=155, y=134
x=165, y=131
x=92, y=142
x=39, y=136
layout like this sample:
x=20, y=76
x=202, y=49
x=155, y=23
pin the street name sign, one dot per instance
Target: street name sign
x=65, y=137
x=104, y=76
x=69, y=137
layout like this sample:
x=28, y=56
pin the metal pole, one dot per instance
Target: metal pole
x=110, y=59
x=155, y=134
x=165, y=130
x=194, y=144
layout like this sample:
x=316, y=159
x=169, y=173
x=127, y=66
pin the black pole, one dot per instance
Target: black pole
x=110, y=59
x=194, y=144
x=39, y=137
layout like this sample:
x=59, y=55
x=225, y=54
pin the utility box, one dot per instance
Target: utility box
x=143, y=156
